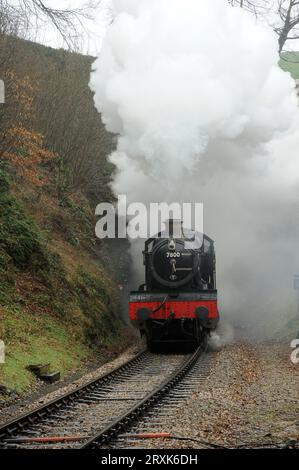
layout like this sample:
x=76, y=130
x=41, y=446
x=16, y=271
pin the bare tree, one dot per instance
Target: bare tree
x=286, y=24
x=28, y=15
x=288, y=29
x=257, y=7
x=11, y=23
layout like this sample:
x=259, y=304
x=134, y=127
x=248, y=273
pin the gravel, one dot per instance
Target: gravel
x=250, y=397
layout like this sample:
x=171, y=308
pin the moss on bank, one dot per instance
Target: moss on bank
x=57, y=303
x=33, y=339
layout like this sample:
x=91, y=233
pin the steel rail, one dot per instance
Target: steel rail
x=20, y=423
x=119, y=425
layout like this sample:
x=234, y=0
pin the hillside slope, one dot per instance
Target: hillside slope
x=59, y=298
x=290, y=63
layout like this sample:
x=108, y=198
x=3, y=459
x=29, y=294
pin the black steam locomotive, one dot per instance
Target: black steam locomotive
x=178, y=301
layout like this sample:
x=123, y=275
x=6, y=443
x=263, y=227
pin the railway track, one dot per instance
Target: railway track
x=23, y=424
x=158, y=419
x=103, y=409
x=152, y=417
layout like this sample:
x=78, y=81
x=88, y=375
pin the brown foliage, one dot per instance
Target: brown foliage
x=28, y=154
x=47, y=94
x=20, y=144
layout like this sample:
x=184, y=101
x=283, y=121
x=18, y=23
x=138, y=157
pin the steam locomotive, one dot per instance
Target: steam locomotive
x=178, y=301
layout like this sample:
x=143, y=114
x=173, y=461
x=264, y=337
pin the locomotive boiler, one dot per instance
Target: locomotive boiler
x=178, y=301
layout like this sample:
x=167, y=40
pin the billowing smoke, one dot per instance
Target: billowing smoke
x=203, y=113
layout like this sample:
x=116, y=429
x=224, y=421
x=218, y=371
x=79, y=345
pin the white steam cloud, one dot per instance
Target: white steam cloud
x=203, y=113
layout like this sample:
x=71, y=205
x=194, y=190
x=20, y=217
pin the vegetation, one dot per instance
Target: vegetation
x=58, y=303
x=290, y=63
x=39, y=340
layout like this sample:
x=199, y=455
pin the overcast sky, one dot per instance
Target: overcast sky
x=94, y=29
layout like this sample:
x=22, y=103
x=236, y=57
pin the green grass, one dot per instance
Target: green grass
x=50, y=312
x=37, y=339
x=290, y=63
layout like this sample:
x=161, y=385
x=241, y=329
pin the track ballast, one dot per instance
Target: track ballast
x=102, y=409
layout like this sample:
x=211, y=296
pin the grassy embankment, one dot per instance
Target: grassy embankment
x=58, y=304
x=59, y=301
x=290, y=63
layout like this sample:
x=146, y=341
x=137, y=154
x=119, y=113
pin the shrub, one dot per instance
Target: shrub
x=98, y=302
x=19, y=236
x=4, y=183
